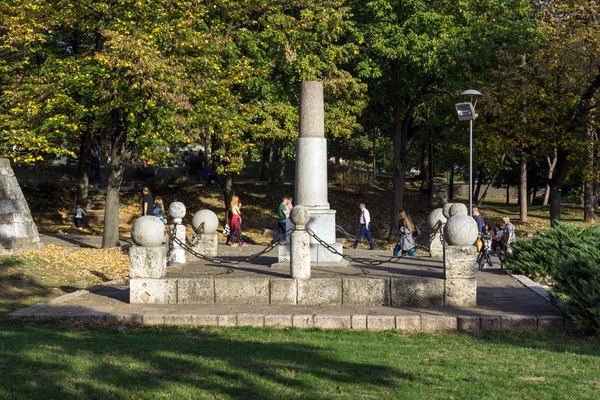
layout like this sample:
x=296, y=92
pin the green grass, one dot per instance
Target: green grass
x=51, y=361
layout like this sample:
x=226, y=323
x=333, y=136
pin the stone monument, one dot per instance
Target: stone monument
x=460, y=261
x=177, y=253
x=311, y=177
x=17, y=228
x=205, y=223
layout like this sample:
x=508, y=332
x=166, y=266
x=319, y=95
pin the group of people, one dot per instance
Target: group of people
x=153, y=206
x=497, y=239
x=233, y=227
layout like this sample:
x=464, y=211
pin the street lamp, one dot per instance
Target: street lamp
x=466, y=112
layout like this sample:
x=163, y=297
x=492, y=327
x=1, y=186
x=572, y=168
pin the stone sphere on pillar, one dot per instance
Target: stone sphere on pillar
x=177, y=211
x=446, y=209
x=458, y=209
x=207, y=220
x=435, y=216
x=148, y=231
x=460, y=230
x=300, y=215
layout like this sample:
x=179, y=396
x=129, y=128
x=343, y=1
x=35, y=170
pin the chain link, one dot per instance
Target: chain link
x=189, y=244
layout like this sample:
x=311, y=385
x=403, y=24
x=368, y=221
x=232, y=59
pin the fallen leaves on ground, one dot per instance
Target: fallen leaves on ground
x=57, y=265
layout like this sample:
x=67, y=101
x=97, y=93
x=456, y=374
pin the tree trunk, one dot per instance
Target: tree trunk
x=556, y=185
x=523, y=187
x=551, y=166
x=425, y=170
x=279, y=173
x=479, y=183
x=226, y=183
x=119, y=155
x=400, y=134
x=431, y=171
x=507, y=193
x=491, y=182
x=85, y=148
x=451, y=184
x=265, y=165
x=589, y=200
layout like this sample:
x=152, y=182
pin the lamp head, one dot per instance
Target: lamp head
x=465, y=111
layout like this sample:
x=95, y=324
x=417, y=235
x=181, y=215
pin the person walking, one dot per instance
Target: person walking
x=365, y=222
x=236, y=222
x=406, y=242
x=159, y=209
x=147, y=202
x=282, y=215
x=79, y=213
x=480, y=222
x=509, y=235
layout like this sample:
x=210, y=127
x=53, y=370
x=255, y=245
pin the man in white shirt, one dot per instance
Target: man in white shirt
x=365, y=221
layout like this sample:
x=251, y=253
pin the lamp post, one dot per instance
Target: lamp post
x=466, y=112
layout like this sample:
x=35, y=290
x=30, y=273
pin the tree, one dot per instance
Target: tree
x=412, y=50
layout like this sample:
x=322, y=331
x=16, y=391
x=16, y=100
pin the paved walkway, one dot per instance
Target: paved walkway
x=502, y=301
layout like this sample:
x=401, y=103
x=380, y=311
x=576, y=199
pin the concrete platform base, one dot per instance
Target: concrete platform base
x=105, y=304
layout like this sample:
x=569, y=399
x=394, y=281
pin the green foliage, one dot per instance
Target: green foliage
x=578, y=284
x=541, y=255
x=570, y=254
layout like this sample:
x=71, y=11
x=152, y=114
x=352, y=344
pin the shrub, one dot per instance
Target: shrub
x=570, y=254
x=548, y=248
x=578, y=285
x=353, y=180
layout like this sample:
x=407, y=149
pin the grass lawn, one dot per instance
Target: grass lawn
x=62, y=362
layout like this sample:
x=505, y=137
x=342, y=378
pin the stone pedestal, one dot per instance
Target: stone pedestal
x=177, y=255
x=460, y=268
x=147, y=262
x=17, y=229
x=206, y=244
x=300, y=245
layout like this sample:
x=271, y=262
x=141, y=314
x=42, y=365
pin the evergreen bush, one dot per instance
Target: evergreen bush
x=578, y=285
x=570, y=255
x=548, y=248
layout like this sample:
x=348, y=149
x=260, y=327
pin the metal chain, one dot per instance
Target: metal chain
x=187, y=246
x=345, y=256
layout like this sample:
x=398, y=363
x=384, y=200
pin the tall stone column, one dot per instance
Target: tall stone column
x=311, y=177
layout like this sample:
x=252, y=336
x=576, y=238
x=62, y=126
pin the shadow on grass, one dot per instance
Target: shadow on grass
x=189, y=362
x=17, y=288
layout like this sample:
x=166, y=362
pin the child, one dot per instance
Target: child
x=159, y=209
x=79, y=213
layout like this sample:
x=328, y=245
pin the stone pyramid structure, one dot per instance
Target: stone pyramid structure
x=17, y=228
